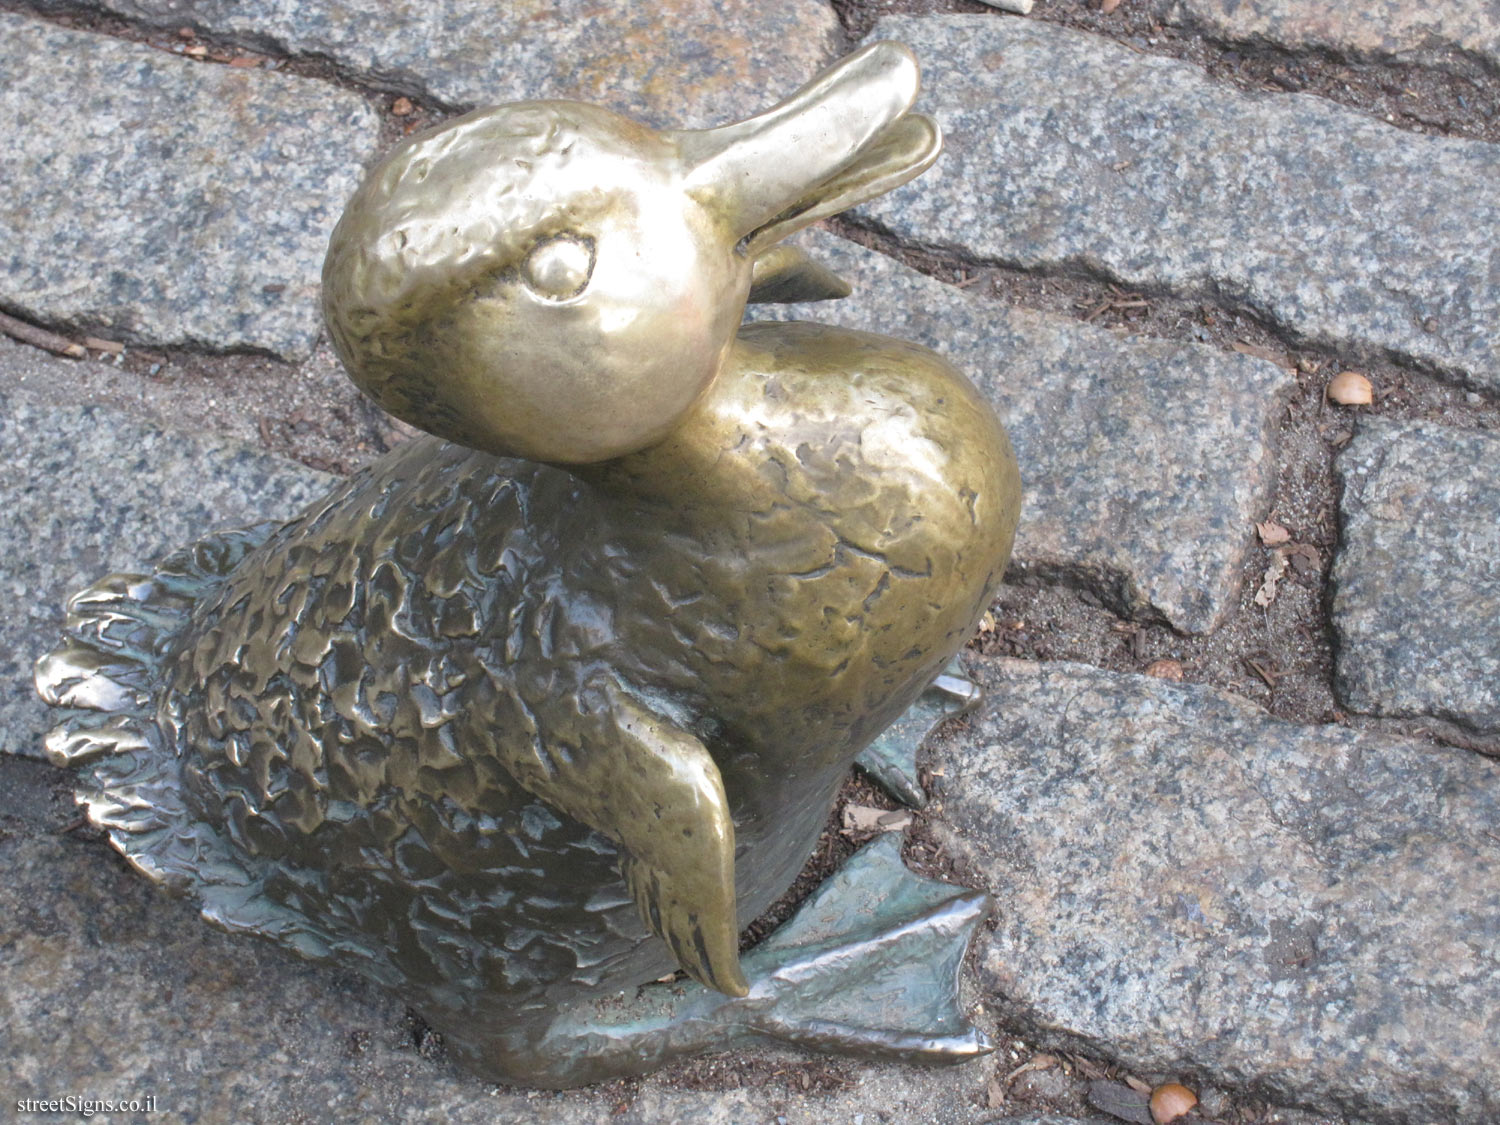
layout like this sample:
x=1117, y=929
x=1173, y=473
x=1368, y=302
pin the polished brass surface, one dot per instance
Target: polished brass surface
x=589, y=664
x=553, y=281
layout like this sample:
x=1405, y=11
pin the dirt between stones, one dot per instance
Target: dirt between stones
x=1459, y=98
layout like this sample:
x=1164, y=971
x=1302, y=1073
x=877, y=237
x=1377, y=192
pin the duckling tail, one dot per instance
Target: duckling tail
x=106, y=677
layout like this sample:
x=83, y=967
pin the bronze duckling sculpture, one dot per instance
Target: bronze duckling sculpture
x=547, y=704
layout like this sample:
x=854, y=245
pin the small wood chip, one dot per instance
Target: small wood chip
x=1109, y=6
x=94, y=343
x=1268, y=673
x=1272, y=534
x=1020, y=7
x=1350, y=388
x=41, y=338
x=1244, y=347
x=859, y=819
x=196, y=51
x=246, y=61
x=402, y=107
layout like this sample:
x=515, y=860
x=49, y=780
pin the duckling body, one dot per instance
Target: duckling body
x=513, y=733
x=780, y=580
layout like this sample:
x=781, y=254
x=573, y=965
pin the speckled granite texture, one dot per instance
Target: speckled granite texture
x=1447, y=34
x=670, y=64
x=90, y=490
x=154, y=199
x=1305, y=911
x=1144, y=462
x=1325, y=221
x=1416, y=604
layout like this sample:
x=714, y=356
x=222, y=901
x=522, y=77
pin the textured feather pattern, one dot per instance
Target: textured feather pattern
x=106, y=676
x=347, y=744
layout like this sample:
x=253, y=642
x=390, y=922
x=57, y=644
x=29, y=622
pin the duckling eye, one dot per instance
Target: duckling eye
x=559, y=268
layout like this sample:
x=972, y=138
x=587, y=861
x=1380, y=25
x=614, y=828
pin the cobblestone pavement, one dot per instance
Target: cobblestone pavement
x=1233, y=786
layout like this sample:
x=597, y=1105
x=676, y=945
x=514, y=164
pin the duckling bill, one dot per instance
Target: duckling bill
x=545, y=704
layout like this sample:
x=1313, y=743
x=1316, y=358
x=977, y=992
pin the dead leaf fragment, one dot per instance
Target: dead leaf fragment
x=1165, y=669
x=1036, y=1062
x=246, y=61
x=1304, y=558
x=865, y=818
x=1138, y=1085
x=1109, y=6
x=1350, y=388
x=1273, y=576
x=1272, y=534
x=995, y=1094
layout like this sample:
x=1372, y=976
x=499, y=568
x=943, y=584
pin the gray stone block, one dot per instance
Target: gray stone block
x=1190, y=886
x=161, y=200
x=670, y=64
x=1067, y=151
x=1387, y=31
x=1144, y=461
x=89, y=490
x=1416, y=602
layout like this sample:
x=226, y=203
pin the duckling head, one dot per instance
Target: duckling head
x=554, y=281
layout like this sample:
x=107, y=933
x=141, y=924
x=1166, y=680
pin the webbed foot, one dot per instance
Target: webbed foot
x=892, y=758
x=868, y=966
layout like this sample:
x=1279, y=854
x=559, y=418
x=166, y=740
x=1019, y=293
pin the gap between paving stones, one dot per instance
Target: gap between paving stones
x=1291, y=641
x=1426, y=98
x=1195, y=314
x=222, y=48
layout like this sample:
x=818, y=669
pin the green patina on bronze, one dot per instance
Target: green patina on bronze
x=513, y=735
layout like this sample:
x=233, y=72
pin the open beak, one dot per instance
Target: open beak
x=843, y=138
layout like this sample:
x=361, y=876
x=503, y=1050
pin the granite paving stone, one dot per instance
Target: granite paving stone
x=150, y=198
x=1144, y=461
x=692, y=63
x=1341, y=230
x=89, y=490
x=1416, y=602
x=1195, y=887
x=1449, y=34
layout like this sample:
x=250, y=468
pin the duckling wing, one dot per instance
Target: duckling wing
x=652, y=787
